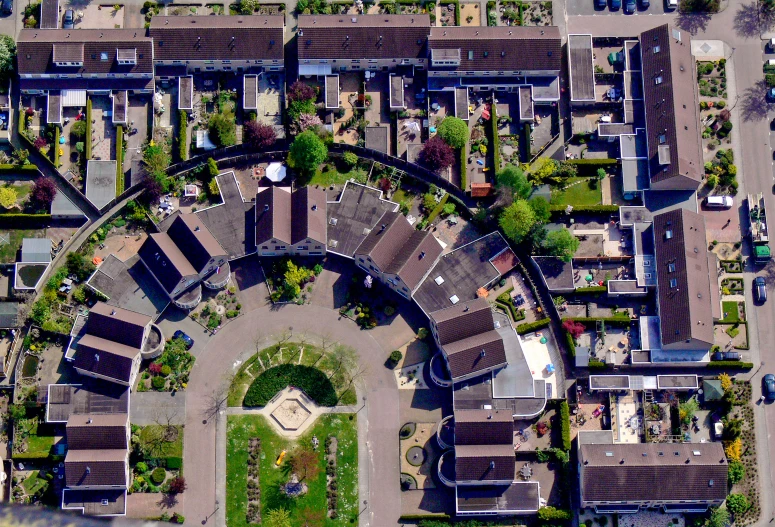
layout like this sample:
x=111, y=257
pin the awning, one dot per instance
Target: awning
x=73, y=98
x=314, y=69
x=275, y=172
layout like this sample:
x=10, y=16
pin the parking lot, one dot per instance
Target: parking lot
x=589, y=7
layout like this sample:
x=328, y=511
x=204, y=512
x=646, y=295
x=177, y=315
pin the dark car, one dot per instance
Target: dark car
x=188, y=340
x=601, y=4
x=760, y=289
x=629, y=6
x=725, y=355
x=7, y=7
x=616, y=4
x=68, y=22
x=644, y=4
x=768, y=387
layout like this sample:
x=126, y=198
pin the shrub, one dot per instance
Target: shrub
x=183, y=135
x=311, y=380
x=737, y=504
x=733, y=449
x=396, y=356
x=299, y=91
x=565, y=425
x=528, y=327
x=154, y=368
x=141, y=467
x=158, y=475
x=166, y=370
x=575, y=329
x=350, y=159
x=177, y=485
x=223, y=129
x=158, y=382
x=78, y=129
x=736, y=472
x=436, y=154
x=178, y=518
x=553, y=514
x=258, y=135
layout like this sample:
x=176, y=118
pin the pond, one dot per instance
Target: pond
x=30, y=366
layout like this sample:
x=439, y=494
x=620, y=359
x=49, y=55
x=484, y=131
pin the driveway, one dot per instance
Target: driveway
x=174, y=318
x=246, y=274
x=148, y=408
x=378, y=424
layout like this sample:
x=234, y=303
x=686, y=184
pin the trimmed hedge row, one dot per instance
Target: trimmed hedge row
x=420, y=517
x=437, y=209
x=496, y=140
x=571, y=344
x=119, y=160
x=56, y=147
x=592, y=289
x=183, y=136
x=516, y=314
x=16, y=168
x=25, y=220
x=595, y=364
x=603, y=162
x=528, y=327
x=312, y=381
x=614, y=321
x=606, y=209
x=565, y=425
x=737, y=364
x=463, y=171
x=87, y=147
x=29, y=456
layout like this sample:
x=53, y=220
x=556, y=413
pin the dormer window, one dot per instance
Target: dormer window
x=104, y=56
x=126, y=56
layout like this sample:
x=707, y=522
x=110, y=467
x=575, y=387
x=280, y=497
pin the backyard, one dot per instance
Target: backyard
x=273, y=472
x=578, y=191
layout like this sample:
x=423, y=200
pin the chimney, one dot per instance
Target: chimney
x=88, y=421
x=196, y=229
x=482, y=353
x=465, y=310
x=422, y=255
x=382, y=227
x=113, y=312
x=88, y=470
x=314, y=207
x=489, y=416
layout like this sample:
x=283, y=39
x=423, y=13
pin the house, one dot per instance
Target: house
x=338, y=43
x=676, y=477
x=185, y=257
x=64, y=63
x=111, y=343
x=194, y=44
x=670, y=97
x=291, y=223
x=397, y=254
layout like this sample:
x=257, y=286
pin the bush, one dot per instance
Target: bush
x=396, y=356
x=453, y=131
x=311, y=380
x=528, y=327
x=78, y=129
x=119, y=160
x=258, y=135
x=178, y=518
x=736, y=472
x=158, y=383
x=223, y=129
x=737, y=504
x=183, y=135
x=158, y=475
x=350, y=159
x=565, y=425
x=88, y=129
x=141, y=467
x=552, y=514
x=166, y=370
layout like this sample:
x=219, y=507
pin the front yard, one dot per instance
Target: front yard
x=156, y=457
x=169, y=372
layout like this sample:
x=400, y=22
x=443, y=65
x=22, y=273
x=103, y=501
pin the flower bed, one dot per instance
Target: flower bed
x=170, y=371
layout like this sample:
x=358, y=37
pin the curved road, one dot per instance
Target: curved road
x=204, y=455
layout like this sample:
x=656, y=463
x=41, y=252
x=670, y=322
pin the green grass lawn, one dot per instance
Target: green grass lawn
x=268, y=357
x=148, y=435
x=33, y=483
x=8, y=250
x=578, y=194
x=334, y=177
x=240, y=428
x=730, y=311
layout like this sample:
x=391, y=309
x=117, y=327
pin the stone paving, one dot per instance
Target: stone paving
x=103, y=131
x=423, y=438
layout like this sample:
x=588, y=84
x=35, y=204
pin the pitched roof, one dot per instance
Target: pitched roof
x=475, y=353
x=484, y=462
x=165, y=260
x=683, y=281
x=97, y=48
x=671, y=102
x=308, y=215
x=484, y=427
x=386, y=239
x=190, y=234
x=97, y=431
x=363, y=36
x=415, y=258
x=9, y=314
x=105, y=357
x=273, y=214
x=463, y=320
x=637, y=472
x=95, y=467
x=117, y=324
x=217, y=37
x=36, y=250
x=500, y=48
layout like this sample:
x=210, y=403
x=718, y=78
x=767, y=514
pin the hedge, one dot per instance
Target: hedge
x=571, y=343
x=119, y=160
x=183, y=136
x=592, y=289
x=25, y=220
x=496, y=141
x=420, y=517
x=56, y=147
x=174, y=463
x=437, y=209
x=565, y=425
x=740, y=365
x=528, y=327
x=463, y=168
x=312, y=381
x=593, y=161
x=516, y=314
x=607, y=209
x=29, y=456
x=614, y=321
x=16, y=168
x=87, y=147
x=595, y=364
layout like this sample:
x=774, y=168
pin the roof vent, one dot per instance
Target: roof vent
x=621, y=461
x=422, y=255
x=382, y=227
x=482, y=353
x=710, y=482
x=353, y=20
x=492, y=465
x=97, y=357
x=696, y=453
x=88, y=421
x=266, y=207
x=314, y=207
x=465, y=310
x=609, y=454
x=88, y=470
x=113, y=312
x=489, y=416
x=503, y=53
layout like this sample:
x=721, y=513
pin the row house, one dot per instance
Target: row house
x=291, y=223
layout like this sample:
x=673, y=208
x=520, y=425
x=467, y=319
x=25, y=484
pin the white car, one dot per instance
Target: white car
x=671, y=4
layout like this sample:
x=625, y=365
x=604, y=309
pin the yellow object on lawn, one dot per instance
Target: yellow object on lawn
x=280, y=458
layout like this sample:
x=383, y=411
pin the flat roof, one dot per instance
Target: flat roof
x=64, y=208
x=332, y=92
x=596, y=437
x=557, y=274
x=520, y=496
x=609, y=382
x=635, y=174
x=582, y=72
x=100, y=182
x=250, y=92
x=377, y=138
x=396, y=91
x=461, y=102
x=231, y=221
x=129, y=285
x=89, y=397
x=36, y=250
x=186, y=92
x=677, y=382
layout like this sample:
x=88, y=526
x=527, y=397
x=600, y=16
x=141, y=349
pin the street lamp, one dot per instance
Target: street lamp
x=362, y=407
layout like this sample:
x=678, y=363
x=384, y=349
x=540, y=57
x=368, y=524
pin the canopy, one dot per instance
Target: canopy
x=275, y=172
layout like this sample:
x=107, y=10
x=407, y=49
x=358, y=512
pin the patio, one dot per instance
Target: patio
x=626, y=418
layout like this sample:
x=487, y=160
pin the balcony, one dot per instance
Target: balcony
x=219, y=279
x=154, y=343
x=190, y=298
x=439, y=372
x=446, y=468
x=445, y=432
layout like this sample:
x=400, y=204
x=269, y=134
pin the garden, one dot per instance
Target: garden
x=33, y=438
x=311, y=481
x=169, y=372
x=157, y=457
x=33, y=486
x=721, y=173
x=326, y=373
x=289, y=282
x=217, y=309
x=519, y=13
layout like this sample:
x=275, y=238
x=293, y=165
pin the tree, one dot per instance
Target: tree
x=43, y=192
x=736, y=472
x=552, y=513
x=7, y=54
x=151, y=188
x=301, y=92
x=79, y=265
x=516, y=220
x=212, y=167
x=278, y=518
x=344, y=357
x=513, y=179
x=543, y=169
x=7, y=197
x=541, y=208
x=305, y=464
x=350, y=159
x=719, y=517
x=258, y=135
x=248, y=7
x=601, y=173
x=78, y=129
x=223, y=129
x=17, y=411
x=737, y=504
x=436, y=154
x=561, y=243
x=574, y=328
x=733, y=449
x=307, y=121
x=40, y=143
x=448, y=209
x=687, y=410
x=733, y=428
x=726, y=382
x=156, y=159
x=307, y=152
x=453, y=131
x=178, y=485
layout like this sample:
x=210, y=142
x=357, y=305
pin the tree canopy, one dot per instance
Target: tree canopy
x=543, y=169
x=436, y=154
x=7, y=197
x=454, y=131
x=516, y=220
x=43, y=191
x=513, y=178
x=307, y=152
x=258, y=135
x=223, y=129
x=7, y=54
x=561, y=243
x=541, y=208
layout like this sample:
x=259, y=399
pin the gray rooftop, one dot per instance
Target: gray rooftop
x=582, y=75
x=62, y=207
x=520, y=496
x=635, y=174
x=9, y=312
x=377, y=138
x=477, y=393
x=100, y=182
x=557, y=274
x=596, y=437
x=634, y=146
x=231, y=221
x=663, y=201
x=36, y=250
x=129, y=285
x=89, y=397
x=515, y=380
x=609, y=382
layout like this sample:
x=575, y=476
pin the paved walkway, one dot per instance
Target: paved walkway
x=147, y=408
x=205, y=437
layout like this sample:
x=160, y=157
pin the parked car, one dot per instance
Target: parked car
x=629, y=6
x=644, y=4
x=671, y=4
x=616, y=4
x=771, y=94
x=725, y=355
x=188, y=340
x=768, y=387
x=719, y=202
x=760, y=289
x=7, y=7
x=69, y=20
x=601, y=4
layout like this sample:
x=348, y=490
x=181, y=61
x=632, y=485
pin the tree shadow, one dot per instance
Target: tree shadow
x=168, y=501
x=747, y=21
x=754, y=104
x=693, y=22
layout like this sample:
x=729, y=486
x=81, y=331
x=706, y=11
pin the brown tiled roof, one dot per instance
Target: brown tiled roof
x=97, y=431
x=505, y=261
x=273, y=214
x=672, y=108
x=105, y=357
x=95, y=467
x=217, y=37
x=387, y=237
x=165, y=260
x=308, y=215
x=475, y=353
x=191, y=236
x=415, y=258
x=463, y=320
x=637, y=472
x=363, y=36
x=117, y=324
x=36, y=48
x=484, y=427
x=481, y=190
x=485, y=463
x=683, y=279
x=501, y=48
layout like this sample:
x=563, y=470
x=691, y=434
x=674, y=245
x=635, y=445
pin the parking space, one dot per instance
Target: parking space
x=95, y=16
x=138, y=116
x=103, y=131
x=589, y=7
